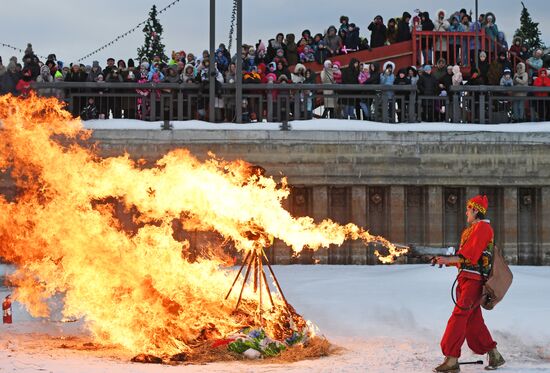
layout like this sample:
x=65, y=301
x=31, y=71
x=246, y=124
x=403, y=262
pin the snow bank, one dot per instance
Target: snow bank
x=320, y=125
x=388, y=318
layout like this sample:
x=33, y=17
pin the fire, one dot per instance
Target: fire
x=136, y=289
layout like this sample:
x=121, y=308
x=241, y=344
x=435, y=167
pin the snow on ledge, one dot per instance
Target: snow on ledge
x=319, y=125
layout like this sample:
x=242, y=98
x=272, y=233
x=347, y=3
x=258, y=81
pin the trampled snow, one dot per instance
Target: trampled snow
x=321, y=125
x=387, y=318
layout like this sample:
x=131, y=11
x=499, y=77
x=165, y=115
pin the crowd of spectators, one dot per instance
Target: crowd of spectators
x=282, y=61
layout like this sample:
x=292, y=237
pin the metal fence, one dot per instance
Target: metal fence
x=280, y=102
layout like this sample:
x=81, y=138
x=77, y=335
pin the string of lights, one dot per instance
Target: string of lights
x=5, y=45
x=122, y=36
x=232, y=26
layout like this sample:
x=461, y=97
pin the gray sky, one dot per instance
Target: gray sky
x=73, y=28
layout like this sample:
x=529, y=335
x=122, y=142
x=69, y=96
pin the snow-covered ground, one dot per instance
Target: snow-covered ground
x=387, y=318
x=321, y=125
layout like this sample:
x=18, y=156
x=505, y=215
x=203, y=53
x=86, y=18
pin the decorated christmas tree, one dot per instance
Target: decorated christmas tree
x=529, y=31
x=153, y=38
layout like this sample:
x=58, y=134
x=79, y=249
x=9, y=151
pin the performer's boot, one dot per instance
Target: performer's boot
x=450, y=365
x=495, y=360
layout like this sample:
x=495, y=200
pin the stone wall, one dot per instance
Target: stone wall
x=410, y=187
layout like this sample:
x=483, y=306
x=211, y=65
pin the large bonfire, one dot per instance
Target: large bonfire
x=139, y=289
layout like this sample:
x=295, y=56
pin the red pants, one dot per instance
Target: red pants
x=467, y=324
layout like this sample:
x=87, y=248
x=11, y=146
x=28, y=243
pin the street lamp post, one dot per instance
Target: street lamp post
x=477, y=35
x=239, y=74
x=212, y=70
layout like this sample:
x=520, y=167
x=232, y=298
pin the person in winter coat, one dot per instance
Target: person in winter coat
x=291, y=50
x=387, y=77
x=496, y=68
x=428, y=85
x=23, y=87
x=506, y=80
x=521, y=79
x=542, y=107
x=189, y=74
x=491, y=29
x=8, y=81
x=307, y=55
x=457, y=76
x=446, y=82
x=391, y=32
x=427, y=46
x=454, y=41
x=440, y=70
x=327, y=77
x=402, y=78
x=483, y=66
x=45, y=77
x=364, y=73
x=221, y=60
x=350, y=76
x=299, y=74
x=352, y=41
x=76, y=74
x=333, y=42
x=344, y=24
x=515, y=49
x=274, y=45
x=535, y=62
x=404, y=28
x=378, y=32
x=94, y=72
x=441, y=25
x=412, y=73
x=337, y=72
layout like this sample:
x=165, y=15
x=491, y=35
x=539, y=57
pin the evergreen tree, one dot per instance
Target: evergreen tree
x=529, y=31
x=153, y=35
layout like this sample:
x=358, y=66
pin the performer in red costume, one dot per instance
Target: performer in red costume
x=474, y=263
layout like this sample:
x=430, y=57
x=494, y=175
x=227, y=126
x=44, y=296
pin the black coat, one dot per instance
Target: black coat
x=428, y=85
x=352, y=39
x=378, y=35
x=403, y=31
x=374, y=75
x=351, y=74
x=8, y=82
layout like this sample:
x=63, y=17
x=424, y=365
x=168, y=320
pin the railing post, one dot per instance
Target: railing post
x=481, y=107
x=180, y=104
x=413, y=117
x=456, y=106
x=385, y=107
x=297, y=109
x=270, y=106
x=153, y=111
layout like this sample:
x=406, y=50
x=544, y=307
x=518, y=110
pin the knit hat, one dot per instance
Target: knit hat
x=480, y=203
x=507, y=71
x=95, y=64
x=427, y=68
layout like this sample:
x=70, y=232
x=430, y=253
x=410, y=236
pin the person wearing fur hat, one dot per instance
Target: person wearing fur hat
x=404, y=28
x=457, y=76
x=391, y=32
x=491, y=29
x=299, y=74
x=515, y=49
x=473, y=262
x=378, y=32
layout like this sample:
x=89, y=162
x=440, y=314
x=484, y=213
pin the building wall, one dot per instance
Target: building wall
x=409, y=187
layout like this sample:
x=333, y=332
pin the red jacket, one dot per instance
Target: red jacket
x=23, y=87
x=542, y=81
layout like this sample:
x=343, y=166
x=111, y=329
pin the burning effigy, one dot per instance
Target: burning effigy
x=140, y=290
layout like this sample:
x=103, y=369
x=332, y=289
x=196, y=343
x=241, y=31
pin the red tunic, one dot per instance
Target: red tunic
x=474, y=241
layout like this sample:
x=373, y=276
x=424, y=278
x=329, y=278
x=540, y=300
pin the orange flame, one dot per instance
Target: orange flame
x=135, y=289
